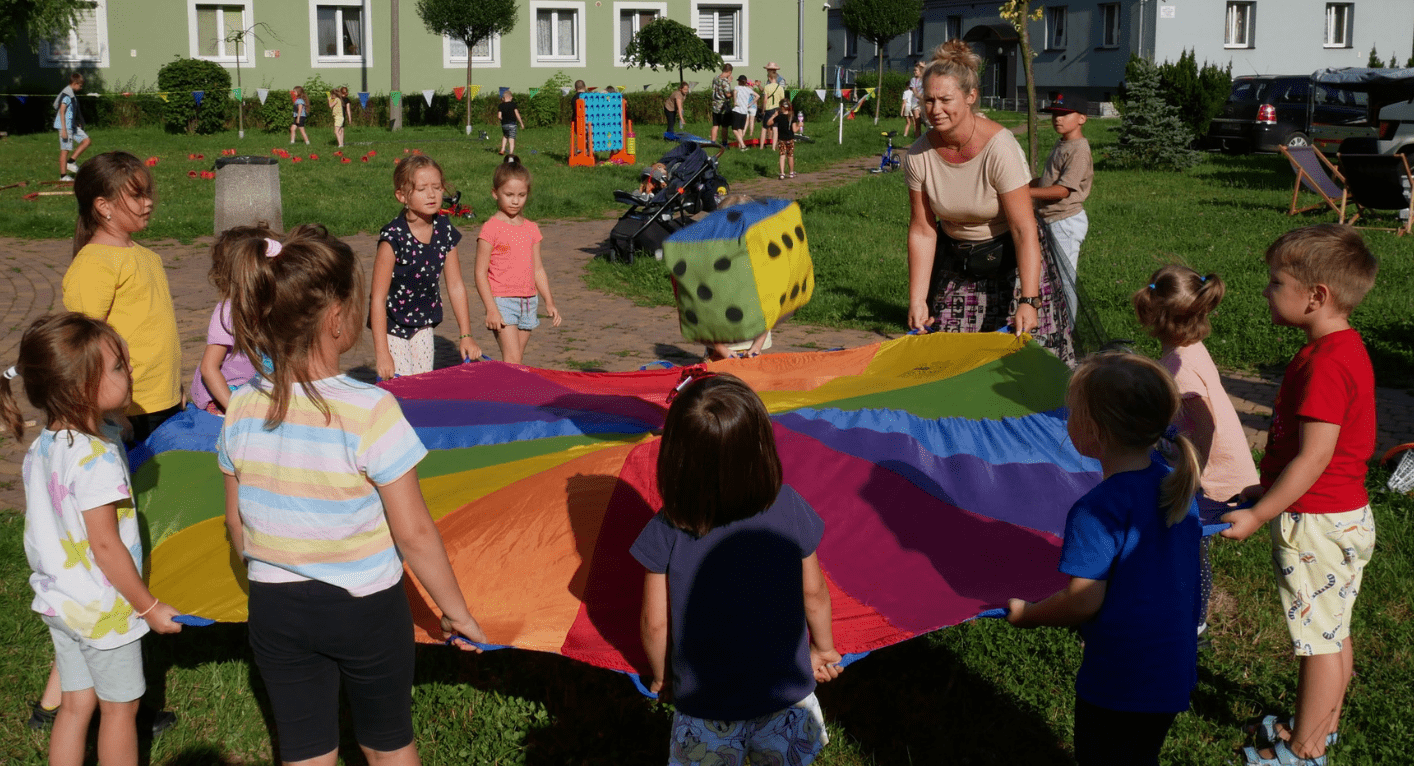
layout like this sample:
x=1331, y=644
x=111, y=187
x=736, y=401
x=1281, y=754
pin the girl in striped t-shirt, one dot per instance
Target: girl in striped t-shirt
x=322, y=502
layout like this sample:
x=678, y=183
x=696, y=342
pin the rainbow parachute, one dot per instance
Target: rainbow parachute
x=939, y=463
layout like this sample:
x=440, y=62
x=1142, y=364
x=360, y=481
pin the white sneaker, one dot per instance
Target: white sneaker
x=66, y=179
x=72, y=167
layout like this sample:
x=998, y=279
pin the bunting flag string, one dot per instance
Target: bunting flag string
x=459, y=91
x=396, y=97
x=533, y=91
x=363, y=98
x=564, y=91
x=503, y=91
x=868, y=92
x=162, y=96
x=427, y=95
x=262, y=93
x=236, y=93
x=821, y=93
x=792, y=93
x=199, y=95
x=21, y=98
x=475, y=89
x=847, y=93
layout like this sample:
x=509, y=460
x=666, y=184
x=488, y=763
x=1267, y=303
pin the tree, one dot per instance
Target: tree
x=880, y=21
x=667, y=43
x=1152, y=134
x=1199, y=94
x=44, y=20
x=470, y=22
x=1374, y=62
x=1018, y=13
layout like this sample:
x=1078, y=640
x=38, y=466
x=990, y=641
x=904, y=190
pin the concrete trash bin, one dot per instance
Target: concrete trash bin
x=248, y=192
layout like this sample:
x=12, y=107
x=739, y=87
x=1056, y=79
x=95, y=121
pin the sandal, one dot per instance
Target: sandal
x=783, y=176
x=1266, y=731
x=1281, y=756
x=792, y=174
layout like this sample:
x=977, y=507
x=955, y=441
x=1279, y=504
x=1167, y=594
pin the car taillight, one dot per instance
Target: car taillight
x=1387, y=130
x=1267, y=114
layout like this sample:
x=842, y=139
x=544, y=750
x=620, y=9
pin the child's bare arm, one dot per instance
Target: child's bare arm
x=211, y=375
x=483, y=286
x=116, y=563
x=378, y=309
x=542, y=286
x=461, y=307
x=653, y=627
x=1071, y=605
x=824, y=659
x=421, y=545
x=519, y=120
x=1048, y=193
x=1318, y=442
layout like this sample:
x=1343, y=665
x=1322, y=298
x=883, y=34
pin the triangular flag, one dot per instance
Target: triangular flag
x=427, y=96
x=791, y=94
x=533, y=91
x=475, y=89
x=646, y=87
x=162, y=96
x=396, y=96
x=847, y=93
x=564, y=91
x=198, y=95
x=363, y=99
x=236, y=93
x=868, y=92
x=21, y=99
x=459, y=91
x=821, y=93
x=503, y=91
x=262, y=93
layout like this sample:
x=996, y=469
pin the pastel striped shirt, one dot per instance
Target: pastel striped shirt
x=308, y=498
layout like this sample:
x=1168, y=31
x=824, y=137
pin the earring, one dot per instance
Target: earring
x=108, y=217
x=338, y=331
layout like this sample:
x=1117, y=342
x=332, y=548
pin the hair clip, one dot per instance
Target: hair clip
x=11, y=373
x=1151, y=286
x=272, y=247
x=1202, y=279
x=689, y=374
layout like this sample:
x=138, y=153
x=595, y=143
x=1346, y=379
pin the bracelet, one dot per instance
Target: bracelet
x=467, y=335
x=155, y=602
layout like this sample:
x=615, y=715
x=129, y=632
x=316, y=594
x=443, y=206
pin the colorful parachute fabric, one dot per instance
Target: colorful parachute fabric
x=939, y=464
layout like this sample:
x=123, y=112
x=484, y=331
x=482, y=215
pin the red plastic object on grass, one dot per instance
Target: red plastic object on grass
x=152, y=162
x=193, y=174
x=363, y=159
x=372, y=153
x=346, y=160
x=314, y=156
x=208, y=174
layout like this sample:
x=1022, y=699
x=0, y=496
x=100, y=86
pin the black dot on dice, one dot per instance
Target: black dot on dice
x=773, y=250
x=783, y=299
x=704, y=292
x=734, y=216
x=794, y=290
x=722, y=264
x=800, y=233
x=787, y=241
x=680, y=268
x=690, y=316
x=734, y=314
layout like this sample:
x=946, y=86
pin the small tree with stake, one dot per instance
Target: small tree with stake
x=470, y=21
x=672, y=45
x=880, y=21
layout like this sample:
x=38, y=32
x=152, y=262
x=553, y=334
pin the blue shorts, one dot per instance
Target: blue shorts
x=795, y=735
x=520, y=312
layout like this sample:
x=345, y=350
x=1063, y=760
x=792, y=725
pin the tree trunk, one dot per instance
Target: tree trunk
x=395, y=71
x=1031, y=138
x=879, y=86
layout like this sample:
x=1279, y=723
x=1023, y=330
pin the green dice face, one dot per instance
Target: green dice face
x=716, y=290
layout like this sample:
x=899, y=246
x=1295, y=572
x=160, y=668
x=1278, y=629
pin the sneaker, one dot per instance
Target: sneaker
x=162, y=720
x=39, y=718
x=66, y=179
x=72, y=167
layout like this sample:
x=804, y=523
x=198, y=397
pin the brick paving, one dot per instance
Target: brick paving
x=599, y=332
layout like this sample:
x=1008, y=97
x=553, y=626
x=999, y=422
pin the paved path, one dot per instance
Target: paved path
x=600, y=332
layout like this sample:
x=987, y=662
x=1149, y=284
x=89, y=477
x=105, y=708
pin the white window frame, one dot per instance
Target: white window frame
x=318, y=60
x=493, y=61
x=577, y=7
x=1057, y=18
x=1247, y=11
x=48, y=60
x=1111, y=28
x=1347, y=10
x=619, y=7
x=247, y=9
x=953, y=28
x=742, y=57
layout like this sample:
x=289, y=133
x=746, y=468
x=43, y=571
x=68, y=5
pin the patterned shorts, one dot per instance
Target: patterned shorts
x=790, y=737
x=1320, y=559
x=508, y=129
x=412, y=355
x=786, y=148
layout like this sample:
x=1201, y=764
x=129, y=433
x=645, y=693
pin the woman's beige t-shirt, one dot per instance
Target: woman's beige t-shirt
x=963, y=195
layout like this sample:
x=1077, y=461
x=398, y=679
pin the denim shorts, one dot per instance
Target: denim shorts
x=794, y=735
x=508, y=129
x=520, y=312
x=76, y=137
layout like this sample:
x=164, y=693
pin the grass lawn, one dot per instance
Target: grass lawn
x=1218, y=217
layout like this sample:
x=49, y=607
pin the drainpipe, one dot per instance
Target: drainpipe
x=800, y=44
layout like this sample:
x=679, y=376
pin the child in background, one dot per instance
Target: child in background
x=509, y=272
x=1131, y=550
x=1063, y=187
x=783, y=121
x=79, y=505
x=743, y=99
x=908, y=110
x=68, y=120
x=1313, y=478
x=743, y=545
x=339, y=105
x=323, y=504
x=510, y=117
x=415, y=249
x=124, y=284
x=301, y=114
x=655, y=179
x=223, y=369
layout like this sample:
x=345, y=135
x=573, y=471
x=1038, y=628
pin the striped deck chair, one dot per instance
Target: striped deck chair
x=1316, y=173
x=1380, y=182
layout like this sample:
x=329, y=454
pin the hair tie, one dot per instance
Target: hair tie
x=272, y=247
x=11, y=373
x=1202, y=279
x=1151, y=286
x=689, y=374
x=510, y=159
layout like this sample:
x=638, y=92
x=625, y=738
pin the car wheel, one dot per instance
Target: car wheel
x=1297, y=138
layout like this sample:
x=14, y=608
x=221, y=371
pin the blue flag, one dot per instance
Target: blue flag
x=198, y=95
x=363, y=99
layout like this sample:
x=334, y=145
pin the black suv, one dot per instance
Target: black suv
x=1267, y=111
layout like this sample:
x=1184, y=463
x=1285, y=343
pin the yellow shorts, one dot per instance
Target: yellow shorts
x=1320, y=559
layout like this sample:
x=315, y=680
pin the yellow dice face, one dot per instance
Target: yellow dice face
x=780, y=260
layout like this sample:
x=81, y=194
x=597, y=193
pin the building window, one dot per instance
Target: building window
x=213, y=27
x=557, y=36
x=1109, y=17
x=954, y=28
x=1238, y=32
x=851, y=44
x=86, y=43
x=340, y=34
x=723, y=27
x=915, y=39
x=1338, y=24
x=1056, y=28
x=486, y=53
x=632, y=17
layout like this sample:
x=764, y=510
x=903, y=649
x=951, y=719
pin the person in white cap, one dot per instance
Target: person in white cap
x=773, y=92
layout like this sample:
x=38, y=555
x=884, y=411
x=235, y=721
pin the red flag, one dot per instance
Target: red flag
x=459, y=91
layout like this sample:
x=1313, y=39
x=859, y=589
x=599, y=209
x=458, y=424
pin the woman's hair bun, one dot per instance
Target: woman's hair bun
x=955, y=51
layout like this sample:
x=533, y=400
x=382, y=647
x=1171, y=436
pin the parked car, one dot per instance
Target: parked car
x=1390, y=96
x=1266, y=111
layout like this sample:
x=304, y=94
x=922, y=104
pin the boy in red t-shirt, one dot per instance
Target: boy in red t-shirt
x=1313, y=477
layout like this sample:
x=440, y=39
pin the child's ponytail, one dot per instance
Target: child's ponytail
x=1176, y=493
x=9, y=408
x=1175, y=305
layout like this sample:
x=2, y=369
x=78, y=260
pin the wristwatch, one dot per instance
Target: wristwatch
x=1033, y=301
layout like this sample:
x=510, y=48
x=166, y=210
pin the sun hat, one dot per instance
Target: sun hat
x=772, y=65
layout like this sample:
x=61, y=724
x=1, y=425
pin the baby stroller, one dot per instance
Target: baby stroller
x=693, y=186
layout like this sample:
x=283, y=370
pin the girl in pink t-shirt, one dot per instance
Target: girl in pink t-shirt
x=223, y=367
x=509, y=272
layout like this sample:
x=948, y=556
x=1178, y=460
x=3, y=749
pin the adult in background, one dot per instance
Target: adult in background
x=674, y=108
x=976, y=258
x=773, y=92
x=722, y=92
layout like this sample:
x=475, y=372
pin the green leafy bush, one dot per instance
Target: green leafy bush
x=276, y=113
x=180, y=79
x=543, y=109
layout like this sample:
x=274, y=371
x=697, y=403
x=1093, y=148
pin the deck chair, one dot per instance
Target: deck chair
x=1379, y=182
x=1316, y=173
